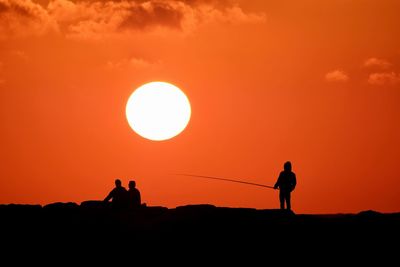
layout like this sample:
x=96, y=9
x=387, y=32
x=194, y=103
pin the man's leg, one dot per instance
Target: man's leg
x=282, y=199
x=288, y=205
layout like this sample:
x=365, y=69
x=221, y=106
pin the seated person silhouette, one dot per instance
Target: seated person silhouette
x=134, y=199
x=118, y=196
x=286, y=183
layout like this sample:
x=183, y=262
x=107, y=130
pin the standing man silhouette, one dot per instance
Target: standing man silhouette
x=286, y=183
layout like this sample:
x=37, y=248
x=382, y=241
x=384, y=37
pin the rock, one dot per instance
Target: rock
x=61, y=206
x=94, y=204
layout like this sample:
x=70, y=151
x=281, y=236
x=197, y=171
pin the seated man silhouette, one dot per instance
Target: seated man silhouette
x=118, y=196
x=134, y=199
x=286, y=183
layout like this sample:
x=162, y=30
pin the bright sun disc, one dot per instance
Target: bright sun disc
x=158, y=111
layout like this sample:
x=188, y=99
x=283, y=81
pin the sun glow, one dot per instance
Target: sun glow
x=158, y=111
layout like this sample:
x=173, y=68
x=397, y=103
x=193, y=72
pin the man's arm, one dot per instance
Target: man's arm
x=110, y=195
x=294, y=182
x=278, y=182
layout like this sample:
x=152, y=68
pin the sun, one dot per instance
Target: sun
x=158, y=111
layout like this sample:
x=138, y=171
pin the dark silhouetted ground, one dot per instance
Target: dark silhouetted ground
x=201, y=230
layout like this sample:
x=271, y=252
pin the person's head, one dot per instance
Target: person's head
x=287, y=166
x=132, y=184
x=118, y=183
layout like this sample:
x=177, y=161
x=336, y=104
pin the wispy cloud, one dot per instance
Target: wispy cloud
x=133, y=62
x=95, y=18
x=19, y=54
x=377, y=63
x=23, y=18
x=383, y=78
x=336, y=76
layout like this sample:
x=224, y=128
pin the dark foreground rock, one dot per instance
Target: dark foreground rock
x=94, y=225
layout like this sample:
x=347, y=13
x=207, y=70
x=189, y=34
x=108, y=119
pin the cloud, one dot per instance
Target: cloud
x=383, y=78
x=23, y=18
x=19, y=54
x=133, y=62
x=378, y=63
x=336, y=76
x=97, y=18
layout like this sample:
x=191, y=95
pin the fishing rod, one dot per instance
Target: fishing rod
x=224, y=179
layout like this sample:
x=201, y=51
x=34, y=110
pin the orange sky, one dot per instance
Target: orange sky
x=314, y=82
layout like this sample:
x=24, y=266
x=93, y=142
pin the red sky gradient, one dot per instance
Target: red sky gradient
x=313, y=82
